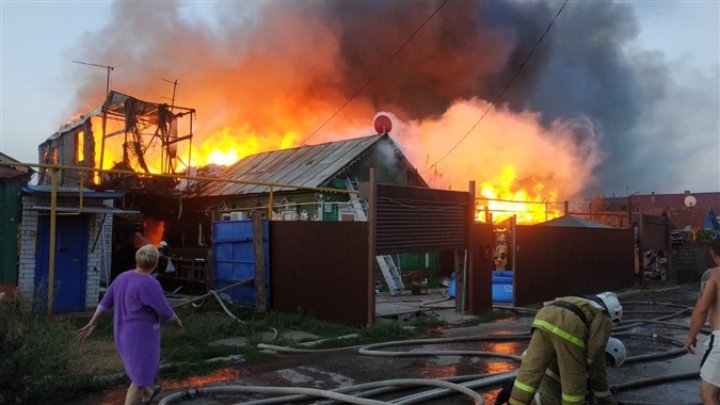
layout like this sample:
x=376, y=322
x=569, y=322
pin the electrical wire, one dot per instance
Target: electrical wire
x=377, y=72
x=497, y=98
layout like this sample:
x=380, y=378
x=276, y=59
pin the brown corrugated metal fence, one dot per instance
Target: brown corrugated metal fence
x=321, y=268
x=414, y=219
x=558, y=261
x=655, y=233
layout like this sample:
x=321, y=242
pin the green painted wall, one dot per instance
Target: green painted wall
x=9, y=202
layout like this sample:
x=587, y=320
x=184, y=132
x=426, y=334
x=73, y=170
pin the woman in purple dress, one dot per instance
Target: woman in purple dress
x=138, y=305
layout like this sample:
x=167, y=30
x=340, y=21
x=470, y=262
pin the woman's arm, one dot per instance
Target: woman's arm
x=87, y=330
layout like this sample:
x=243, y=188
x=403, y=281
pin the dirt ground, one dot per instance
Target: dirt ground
x=332, y=370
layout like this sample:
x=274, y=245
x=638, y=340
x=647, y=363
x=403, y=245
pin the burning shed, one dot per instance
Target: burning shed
x=125, y=133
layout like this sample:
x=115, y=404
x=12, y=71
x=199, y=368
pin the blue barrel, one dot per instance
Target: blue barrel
x=502, y=292
x=451, y=289
x=502, y=286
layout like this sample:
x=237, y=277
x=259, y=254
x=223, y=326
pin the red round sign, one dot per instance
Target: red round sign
x=383, y=124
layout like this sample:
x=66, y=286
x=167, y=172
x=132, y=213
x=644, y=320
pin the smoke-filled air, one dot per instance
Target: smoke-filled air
x=271, y=75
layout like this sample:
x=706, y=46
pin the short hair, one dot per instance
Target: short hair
x=715, y=247
x=147, y=257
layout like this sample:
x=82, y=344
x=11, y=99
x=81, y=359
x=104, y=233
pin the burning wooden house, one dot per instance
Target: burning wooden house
x=114, y=147
x=124, y=134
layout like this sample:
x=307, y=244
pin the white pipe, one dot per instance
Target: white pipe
x=378, y=387
x=274, y=390
x=489, y=381
x=329, y=394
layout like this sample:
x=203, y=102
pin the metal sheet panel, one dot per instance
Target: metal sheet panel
x=308, y=166
x=9, y=202
x=414, y=219
x=321, y=268
x=480, y=266
x=556, y=261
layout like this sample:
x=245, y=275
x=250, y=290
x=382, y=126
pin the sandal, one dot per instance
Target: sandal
x=155, y=391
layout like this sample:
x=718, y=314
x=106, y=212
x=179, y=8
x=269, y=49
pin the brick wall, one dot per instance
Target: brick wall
x=27, y=252
x=99, y=255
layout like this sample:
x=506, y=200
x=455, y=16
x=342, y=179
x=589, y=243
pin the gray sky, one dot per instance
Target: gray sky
x=38, y=82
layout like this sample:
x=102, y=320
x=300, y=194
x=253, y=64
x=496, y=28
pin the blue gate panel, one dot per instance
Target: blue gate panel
x=234, y=258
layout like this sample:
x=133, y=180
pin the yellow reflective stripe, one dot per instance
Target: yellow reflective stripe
x=563, y=334
x=572, y=398
x=524, y=387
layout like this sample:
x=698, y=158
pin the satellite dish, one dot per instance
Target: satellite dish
x=690, y=201
x=382, y=124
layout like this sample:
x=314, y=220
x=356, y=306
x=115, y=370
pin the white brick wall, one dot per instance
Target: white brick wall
x=99, y=256
x=26, y=265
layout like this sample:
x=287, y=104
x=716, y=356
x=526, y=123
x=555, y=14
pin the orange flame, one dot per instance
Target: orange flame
x=230, y=145
x=503, y=199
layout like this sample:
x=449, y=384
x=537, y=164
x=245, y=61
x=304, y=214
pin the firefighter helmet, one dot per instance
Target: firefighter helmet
x=612, y=304
x=615, y=350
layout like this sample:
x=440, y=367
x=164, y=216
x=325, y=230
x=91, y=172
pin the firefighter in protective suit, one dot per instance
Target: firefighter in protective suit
x=574, y=331
x=549, y=392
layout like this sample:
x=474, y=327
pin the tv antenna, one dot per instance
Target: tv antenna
x=109, y=68
x=175, y=84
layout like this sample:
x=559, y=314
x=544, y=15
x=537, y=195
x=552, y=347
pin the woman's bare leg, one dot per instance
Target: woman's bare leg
x=134, y=395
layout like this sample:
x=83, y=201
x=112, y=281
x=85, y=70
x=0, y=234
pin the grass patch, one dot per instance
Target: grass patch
x=47, y=361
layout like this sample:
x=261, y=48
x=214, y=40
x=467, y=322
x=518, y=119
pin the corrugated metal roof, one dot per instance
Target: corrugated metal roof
x=11, y=172
x=573, y=221
x=70, y=191
x=307, y=166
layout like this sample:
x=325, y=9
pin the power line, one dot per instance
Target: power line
x=370, y=79
x=503, y=91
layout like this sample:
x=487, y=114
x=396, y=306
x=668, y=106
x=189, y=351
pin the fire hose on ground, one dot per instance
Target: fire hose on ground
x=445, y=387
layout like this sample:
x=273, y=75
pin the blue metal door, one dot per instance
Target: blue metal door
x=71, y=240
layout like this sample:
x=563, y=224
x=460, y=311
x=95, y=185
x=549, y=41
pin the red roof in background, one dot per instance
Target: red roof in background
x=674, y=205
x=690, y=217
x=664, y=202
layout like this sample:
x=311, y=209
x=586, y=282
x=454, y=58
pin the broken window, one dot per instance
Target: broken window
x=80, y=147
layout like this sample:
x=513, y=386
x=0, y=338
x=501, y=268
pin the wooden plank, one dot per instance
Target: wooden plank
x=260, y=304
